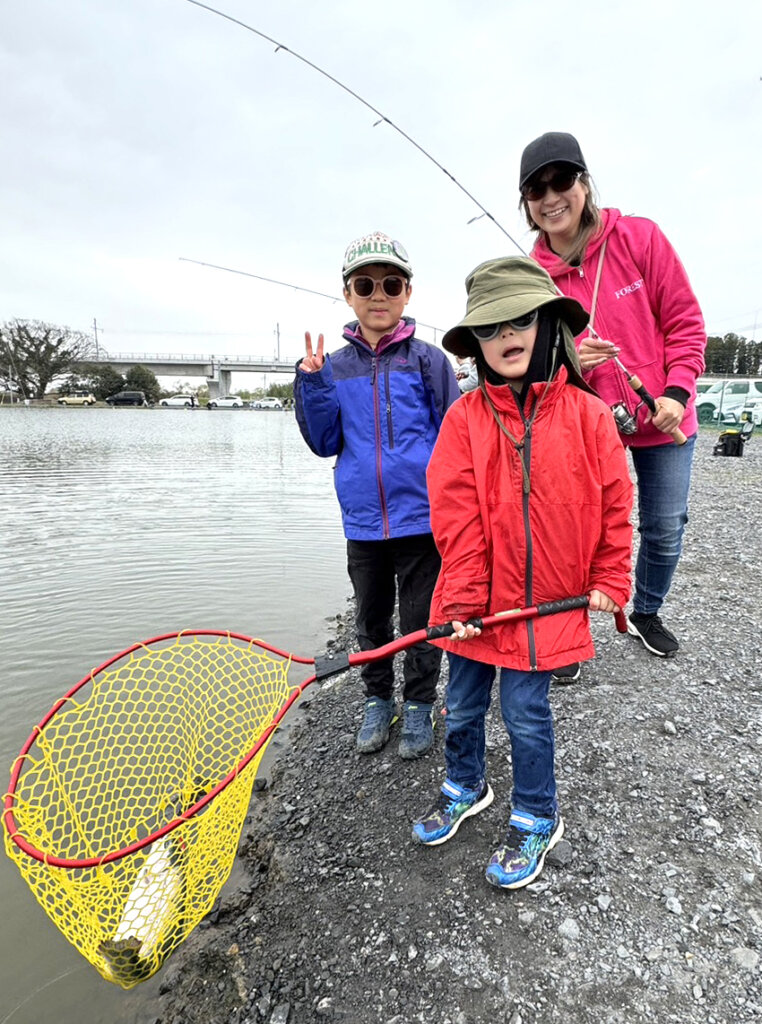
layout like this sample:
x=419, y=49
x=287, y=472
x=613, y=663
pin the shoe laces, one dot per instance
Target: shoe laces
x=523, y=842
x=416, y=715
x=445, y=803
x=375, y=714
x=658, y=626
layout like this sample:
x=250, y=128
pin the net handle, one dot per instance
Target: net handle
x=326, y=666
x=445, y=630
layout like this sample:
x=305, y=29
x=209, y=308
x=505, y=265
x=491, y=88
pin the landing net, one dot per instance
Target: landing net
x=126, y=803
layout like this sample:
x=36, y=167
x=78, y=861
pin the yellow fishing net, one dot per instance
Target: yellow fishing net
x=136, y=748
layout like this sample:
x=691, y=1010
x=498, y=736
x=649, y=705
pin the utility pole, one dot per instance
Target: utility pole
x=277, y=335
x=95, y=332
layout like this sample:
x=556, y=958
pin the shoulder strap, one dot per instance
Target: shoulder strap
x=595, y=289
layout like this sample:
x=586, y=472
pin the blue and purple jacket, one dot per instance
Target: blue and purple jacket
x=379, y=412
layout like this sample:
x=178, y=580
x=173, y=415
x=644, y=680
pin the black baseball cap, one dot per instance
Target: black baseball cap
x=550, y=148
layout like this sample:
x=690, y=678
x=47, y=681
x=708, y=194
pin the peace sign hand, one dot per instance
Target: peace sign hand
x=312, y=363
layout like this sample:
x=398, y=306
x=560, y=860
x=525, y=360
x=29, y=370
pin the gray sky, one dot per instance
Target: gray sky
x=136, y=132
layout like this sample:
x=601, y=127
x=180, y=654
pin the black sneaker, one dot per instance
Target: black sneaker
x=654, y=634
x=566, y=674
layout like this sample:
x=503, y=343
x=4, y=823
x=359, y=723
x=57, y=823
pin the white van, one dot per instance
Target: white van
x=726, y=398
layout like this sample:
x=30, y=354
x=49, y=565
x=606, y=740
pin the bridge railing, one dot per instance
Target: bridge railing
x=193, y=357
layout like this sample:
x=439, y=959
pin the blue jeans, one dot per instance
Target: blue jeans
x=526, y=713
x=664, y=476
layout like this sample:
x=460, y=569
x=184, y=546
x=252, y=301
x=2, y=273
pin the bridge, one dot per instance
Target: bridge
x=216, y=369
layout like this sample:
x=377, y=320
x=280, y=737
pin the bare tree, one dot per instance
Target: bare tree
x=33, y=354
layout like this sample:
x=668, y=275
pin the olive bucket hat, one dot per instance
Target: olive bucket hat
x=504, y=289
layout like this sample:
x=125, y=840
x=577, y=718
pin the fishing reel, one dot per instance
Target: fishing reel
x=625, y=420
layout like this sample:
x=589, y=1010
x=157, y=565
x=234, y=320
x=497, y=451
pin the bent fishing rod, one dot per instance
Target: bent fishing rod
x=383, y=119
x=634, y=382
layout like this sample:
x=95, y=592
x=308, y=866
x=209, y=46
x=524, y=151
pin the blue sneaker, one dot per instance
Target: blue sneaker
x=521, y=856
x=453, y=805
x=417, y=730
x=374, y=731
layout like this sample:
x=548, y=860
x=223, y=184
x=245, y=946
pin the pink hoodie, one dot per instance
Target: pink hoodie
x=645, y=306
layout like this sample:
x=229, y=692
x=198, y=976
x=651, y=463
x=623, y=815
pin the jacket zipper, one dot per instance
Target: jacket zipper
x=377, y=423
x=525, y=454
x=387, y=388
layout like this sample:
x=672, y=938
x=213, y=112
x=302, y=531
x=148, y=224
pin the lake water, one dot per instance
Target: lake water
x=118, y=525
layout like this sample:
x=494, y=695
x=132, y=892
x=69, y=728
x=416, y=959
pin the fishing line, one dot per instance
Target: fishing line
x=270, y=280
x=41, y=988
x=382, y=117
x=286, y=284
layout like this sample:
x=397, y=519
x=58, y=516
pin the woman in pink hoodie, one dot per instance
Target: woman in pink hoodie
x=644, y=312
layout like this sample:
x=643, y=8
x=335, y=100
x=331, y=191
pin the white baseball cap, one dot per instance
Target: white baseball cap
x=375, y=248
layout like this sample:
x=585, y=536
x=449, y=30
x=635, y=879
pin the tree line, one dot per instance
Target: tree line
x=732, y=356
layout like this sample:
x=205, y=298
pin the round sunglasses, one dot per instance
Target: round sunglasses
x=487, y=332
x=561, y=181
x=364, y=287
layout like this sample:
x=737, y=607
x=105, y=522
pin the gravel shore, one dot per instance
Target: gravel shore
x=650, y=909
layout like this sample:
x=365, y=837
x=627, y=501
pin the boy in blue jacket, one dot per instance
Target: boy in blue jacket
x=377, y=404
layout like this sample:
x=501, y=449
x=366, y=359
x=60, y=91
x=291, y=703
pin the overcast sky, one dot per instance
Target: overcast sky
x=137, y=132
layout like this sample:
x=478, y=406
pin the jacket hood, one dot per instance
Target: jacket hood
x=553, y=263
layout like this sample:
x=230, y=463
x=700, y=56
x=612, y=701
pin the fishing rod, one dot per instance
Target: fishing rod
x=634, y=382
x=382, y=117
x=647, y=398
x=287, y=284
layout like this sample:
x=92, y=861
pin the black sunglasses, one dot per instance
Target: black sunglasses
x=487, y=332
x=364, y=287
x=561, y=181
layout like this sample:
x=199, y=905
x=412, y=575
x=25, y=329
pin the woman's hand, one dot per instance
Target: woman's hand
x=600, y=602
x=312, y=363
x=594, y=352
x=669, y=414
x=464, y=631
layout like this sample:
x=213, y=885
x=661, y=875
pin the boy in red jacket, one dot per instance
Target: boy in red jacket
x=530, y=502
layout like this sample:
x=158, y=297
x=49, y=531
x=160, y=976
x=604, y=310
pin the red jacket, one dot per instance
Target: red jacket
x=645, y=306
x=503, y=548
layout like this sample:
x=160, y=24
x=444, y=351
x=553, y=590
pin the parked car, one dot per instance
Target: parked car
x=228, y=402
x=183, y=401
x=730, y=395
x=267, y=403
x=77, y=398
x=751, y=411
x=127, y=398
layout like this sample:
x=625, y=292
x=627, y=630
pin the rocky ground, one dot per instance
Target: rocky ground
x=649, y=910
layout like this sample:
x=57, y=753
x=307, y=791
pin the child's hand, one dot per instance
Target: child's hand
x=464, y=631
x=600, y=602
x=310, y=363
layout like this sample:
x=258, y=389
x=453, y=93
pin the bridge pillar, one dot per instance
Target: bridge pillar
x=219, y=384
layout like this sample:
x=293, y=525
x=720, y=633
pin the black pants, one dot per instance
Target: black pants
x=377, y=568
